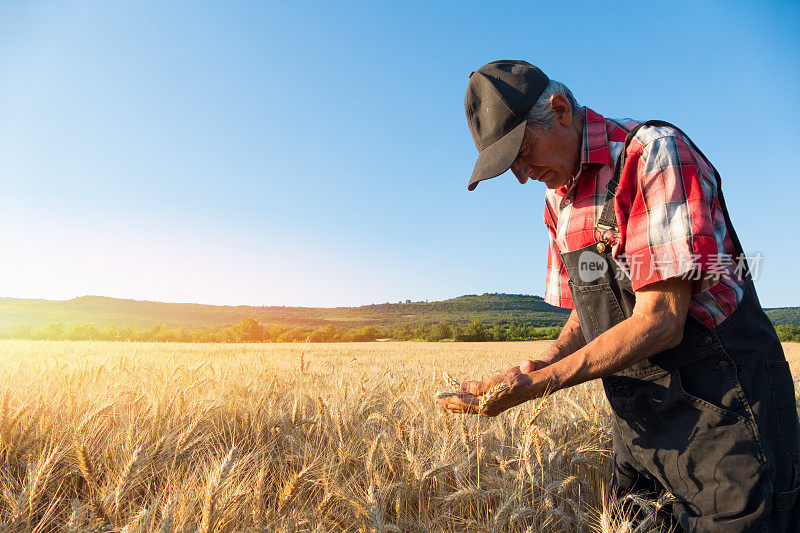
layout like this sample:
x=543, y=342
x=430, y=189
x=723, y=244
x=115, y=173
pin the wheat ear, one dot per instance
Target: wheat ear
x=492, y=394
x=212, y=492
x=290, y=490
x=124, y=482
x=74, y=516
x=40, y=481
x=166, y=518
x=86, y=467
x=452, y=383
x=539, y=408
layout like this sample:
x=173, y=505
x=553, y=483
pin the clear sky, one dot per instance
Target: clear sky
x=294, y=153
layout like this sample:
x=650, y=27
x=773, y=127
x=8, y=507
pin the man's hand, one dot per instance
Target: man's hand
x=521, y=385
x=569, y=340
x=655, y=325
x=526, y=367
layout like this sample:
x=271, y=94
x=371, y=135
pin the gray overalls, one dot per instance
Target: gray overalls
x=713, y=420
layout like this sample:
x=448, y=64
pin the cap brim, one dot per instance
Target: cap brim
x=498, y=156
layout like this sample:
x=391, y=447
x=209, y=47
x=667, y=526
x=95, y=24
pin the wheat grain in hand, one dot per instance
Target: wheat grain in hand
x=492, y=394
x=453, y=384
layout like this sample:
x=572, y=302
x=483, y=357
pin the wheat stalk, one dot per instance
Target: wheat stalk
x=372, y=454
x=19, y=503
x=99, y=512
x=258, y=495
x=125, y=477
x=400, y=445
x=501, y=516
x=42, y=475
x=492, y=394
x=377, y=416
x=183, y=438
x=142, y=519
x=530, y=437
x=322, y=410
x=452, y=383
x=296, y=410
x=86, y=467
x=74, y=517
x=290, y=489
x=540, y=408
x=159, y=447
x=92, y=416
x=212, y=492
x=473, y=493
x=464, y=433
x=166, y=518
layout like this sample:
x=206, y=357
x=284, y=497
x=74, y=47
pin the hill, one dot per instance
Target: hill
x=784, y=315
x=489, y=307
x=102, y=311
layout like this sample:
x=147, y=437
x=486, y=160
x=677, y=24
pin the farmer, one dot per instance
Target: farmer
x=664, y=308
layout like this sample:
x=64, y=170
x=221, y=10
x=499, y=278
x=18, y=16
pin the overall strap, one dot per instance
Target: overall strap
x=608, y=218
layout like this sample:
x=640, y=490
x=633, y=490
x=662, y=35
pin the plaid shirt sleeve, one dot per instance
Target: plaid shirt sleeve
x=556, y=290
x=669, y=193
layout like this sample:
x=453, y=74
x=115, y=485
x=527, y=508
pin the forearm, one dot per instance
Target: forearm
x=569, y=340
x=629, y=342
x=656, y=325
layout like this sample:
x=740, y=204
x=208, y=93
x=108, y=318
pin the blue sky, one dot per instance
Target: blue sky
x=317, y=153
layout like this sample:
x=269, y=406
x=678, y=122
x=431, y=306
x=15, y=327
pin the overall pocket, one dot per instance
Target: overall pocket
x=598, y=308
x=782, y=387
x=712, y=384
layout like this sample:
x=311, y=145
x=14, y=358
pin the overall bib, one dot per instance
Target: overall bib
x=713, y=420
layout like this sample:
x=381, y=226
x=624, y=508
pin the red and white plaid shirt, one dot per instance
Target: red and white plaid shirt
x=668, y=213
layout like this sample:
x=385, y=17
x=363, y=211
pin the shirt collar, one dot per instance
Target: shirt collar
x=594, y=149
x=595, y=140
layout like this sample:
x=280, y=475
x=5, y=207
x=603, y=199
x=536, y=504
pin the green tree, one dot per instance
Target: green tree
x=53, y=331
x=326, y=333
x=367, y=333
x=474, y=332
x=81, y=332
x=248, y=330
x=403, y=333
x=788, y=333
x=23, y=330
x=439, y=332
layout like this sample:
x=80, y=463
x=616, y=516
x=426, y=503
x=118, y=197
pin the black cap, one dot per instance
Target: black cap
x=499, y=96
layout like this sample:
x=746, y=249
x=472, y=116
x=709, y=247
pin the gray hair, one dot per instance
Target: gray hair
x=541, y=116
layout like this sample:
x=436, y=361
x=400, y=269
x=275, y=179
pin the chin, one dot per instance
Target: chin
x=557, y=182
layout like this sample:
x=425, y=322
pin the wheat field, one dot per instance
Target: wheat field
x=103, y=436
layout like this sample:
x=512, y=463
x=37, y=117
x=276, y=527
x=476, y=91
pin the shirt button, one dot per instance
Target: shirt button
x=601, y=247
x=707, y=341
x=566, y=202
x=723, y=365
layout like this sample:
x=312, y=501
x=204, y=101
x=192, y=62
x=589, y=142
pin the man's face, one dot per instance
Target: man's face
x=552, y=158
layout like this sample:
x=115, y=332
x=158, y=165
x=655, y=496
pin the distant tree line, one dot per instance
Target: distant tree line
x=788, y=333
x=250, y=330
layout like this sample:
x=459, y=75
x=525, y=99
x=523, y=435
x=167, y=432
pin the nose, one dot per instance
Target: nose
x=521, y=171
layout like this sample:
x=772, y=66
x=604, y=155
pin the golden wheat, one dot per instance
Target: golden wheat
x=102, y=436
x=454, y=385
x=217, y=478
x=492, y=394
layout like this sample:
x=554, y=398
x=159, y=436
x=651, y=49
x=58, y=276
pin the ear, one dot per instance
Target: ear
x=562, y=109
